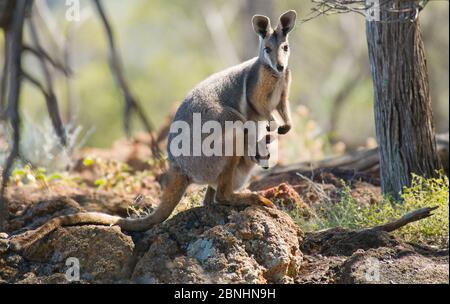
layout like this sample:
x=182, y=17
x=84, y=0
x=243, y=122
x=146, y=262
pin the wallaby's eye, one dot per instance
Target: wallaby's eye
x=286, y=48
x=267, y=50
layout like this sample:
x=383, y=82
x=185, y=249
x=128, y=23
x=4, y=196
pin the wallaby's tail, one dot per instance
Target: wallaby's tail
x=173, y=192
x=176, y=186
x=24, y=240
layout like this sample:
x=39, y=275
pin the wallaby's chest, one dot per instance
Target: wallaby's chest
x=267, y=90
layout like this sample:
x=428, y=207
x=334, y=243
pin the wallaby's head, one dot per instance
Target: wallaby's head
x=274, y=46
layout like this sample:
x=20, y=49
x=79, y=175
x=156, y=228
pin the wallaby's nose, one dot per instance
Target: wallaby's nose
x=280, y=68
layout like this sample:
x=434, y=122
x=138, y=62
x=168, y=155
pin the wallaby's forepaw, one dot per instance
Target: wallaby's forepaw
x=284, y=129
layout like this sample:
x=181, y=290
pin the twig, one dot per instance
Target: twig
x=40, y=53
x=15, y=62
x=406, y=219
x=51, y=100
x=409, y=10
x=35, y=82
x=312, y=185
x=117, y=69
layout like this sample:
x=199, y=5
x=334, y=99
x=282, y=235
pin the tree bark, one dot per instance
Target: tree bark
x=402, y=102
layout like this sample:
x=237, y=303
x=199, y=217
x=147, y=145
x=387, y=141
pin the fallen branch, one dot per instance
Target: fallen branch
x=361, y=162
x=408, y=218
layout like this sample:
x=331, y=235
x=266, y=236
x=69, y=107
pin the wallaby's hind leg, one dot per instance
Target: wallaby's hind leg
x=210, y=194
x=226, y=195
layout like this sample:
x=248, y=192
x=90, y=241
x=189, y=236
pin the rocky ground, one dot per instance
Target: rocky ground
x=216, y=244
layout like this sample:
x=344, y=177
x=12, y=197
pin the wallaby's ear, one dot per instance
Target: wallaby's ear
x=261, y=25
x=287, y=22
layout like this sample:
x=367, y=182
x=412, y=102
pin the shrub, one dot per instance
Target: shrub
x=423, y=192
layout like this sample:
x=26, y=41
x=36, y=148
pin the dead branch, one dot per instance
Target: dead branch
x=363, y=161
x=14, y=67
x=41, y=53
x=131, y=103
x=33, y=80
x=4, y=79
x=51, y=100
x=409, y=9
x=410, y=217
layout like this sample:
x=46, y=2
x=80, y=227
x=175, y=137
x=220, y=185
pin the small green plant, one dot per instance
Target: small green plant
x=31, y=175
x=423, y=192
x=137, y=208
x=113, y=175
x=190, y=200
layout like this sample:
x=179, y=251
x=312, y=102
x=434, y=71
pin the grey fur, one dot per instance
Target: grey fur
x=226, y=96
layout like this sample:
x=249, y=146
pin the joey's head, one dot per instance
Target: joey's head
x=273, y=43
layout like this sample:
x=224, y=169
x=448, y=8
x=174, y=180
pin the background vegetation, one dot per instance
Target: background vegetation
x=169, y=46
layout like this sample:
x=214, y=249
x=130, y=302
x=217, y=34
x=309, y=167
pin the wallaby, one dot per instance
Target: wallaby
x=250, y=91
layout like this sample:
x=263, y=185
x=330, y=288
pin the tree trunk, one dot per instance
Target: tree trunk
x=403, y=114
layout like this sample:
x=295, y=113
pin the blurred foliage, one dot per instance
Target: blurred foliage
x=311, y=143
x=167, y=48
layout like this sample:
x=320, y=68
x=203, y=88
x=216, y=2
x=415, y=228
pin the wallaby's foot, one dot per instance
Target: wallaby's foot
x=225, y=193
x=261, y=200
x=208, y=200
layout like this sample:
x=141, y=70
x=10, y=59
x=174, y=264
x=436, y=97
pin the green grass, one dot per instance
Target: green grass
x=423, y=192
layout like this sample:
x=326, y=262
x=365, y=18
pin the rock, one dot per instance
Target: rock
x=222, y=245
x=31, y=278
x=367, y=256
x=340, y=241
x=3, y=242
x=284, y=196
x=398, y=265
x=102, y=252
